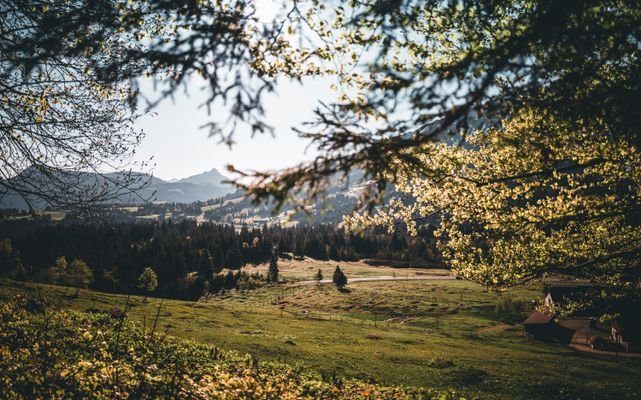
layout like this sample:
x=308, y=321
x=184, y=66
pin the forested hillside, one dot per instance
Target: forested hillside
x=187, y=257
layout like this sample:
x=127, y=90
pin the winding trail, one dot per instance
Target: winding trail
x=494, y=328
x=588, y=349
x=387, y=278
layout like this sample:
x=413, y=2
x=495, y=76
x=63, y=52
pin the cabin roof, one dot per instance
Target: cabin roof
x=538, y=318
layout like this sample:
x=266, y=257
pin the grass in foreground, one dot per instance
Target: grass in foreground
x=440, y=348
x=68, y=354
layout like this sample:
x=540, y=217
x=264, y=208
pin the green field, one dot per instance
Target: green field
x=296, y=270
x=418, y=333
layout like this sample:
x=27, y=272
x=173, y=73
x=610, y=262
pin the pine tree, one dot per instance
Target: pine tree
x=318, y=276
x=272, y=273
x=217, y=284
x=339, y=277
x=233, y=259
x=314, y=247
x=299, y=249
x=205, y=267
x=230, y=280
x=219, y=258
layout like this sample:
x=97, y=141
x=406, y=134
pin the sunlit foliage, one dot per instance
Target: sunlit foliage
x=533, y=198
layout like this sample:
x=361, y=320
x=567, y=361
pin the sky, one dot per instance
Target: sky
x=181, y=148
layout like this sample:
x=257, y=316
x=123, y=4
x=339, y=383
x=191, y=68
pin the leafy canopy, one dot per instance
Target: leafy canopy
x=411, y=72
x=534, y=198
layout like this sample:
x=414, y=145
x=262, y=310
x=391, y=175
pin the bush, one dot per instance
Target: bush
x=509, y=311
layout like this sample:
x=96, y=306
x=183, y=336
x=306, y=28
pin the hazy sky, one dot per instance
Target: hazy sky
x=181, y=148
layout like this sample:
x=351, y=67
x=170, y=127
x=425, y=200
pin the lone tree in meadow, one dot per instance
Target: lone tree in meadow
x=148, y=281
x=318, y=277
x=339, y=277
x=78, y=275
x=272, y=272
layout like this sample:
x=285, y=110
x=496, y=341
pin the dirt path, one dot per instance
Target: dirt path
x=494, y=328
x=387, y=278
x=588, y=349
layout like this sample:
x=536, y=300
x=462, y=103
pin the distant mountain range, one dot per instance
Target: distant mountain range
x=201, y=187
x=210, y=185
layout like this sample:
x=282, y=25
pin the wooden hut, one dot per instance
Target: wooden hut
x=539, y=325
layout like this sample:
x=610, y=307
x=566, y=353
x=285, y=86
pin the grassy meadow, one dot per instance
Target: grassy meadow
x=439, y=334
x=302, y=270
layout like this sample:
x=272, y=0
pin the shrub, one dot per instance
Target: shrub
x=509, y=311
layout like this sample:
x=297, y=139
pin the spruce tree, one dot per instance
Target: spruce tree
x=205, y=265
x=230, y=280
x=339, y=277
x=318, y=276
x=219, y=258
x=272, y=273
x=233, y=258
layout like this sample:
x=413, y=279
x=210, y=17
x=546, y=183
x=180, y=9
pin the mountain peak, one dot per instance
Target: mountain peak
x=211, y=177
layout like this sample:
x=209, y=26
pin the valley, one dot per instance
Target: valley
x=432, y=333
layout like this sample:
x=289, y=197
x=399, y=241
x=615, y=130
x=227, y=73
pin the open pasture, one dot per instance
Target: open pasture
x=421, y=333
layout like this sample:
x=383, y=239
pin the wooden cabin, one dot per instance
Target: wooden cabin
x=540, y=325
